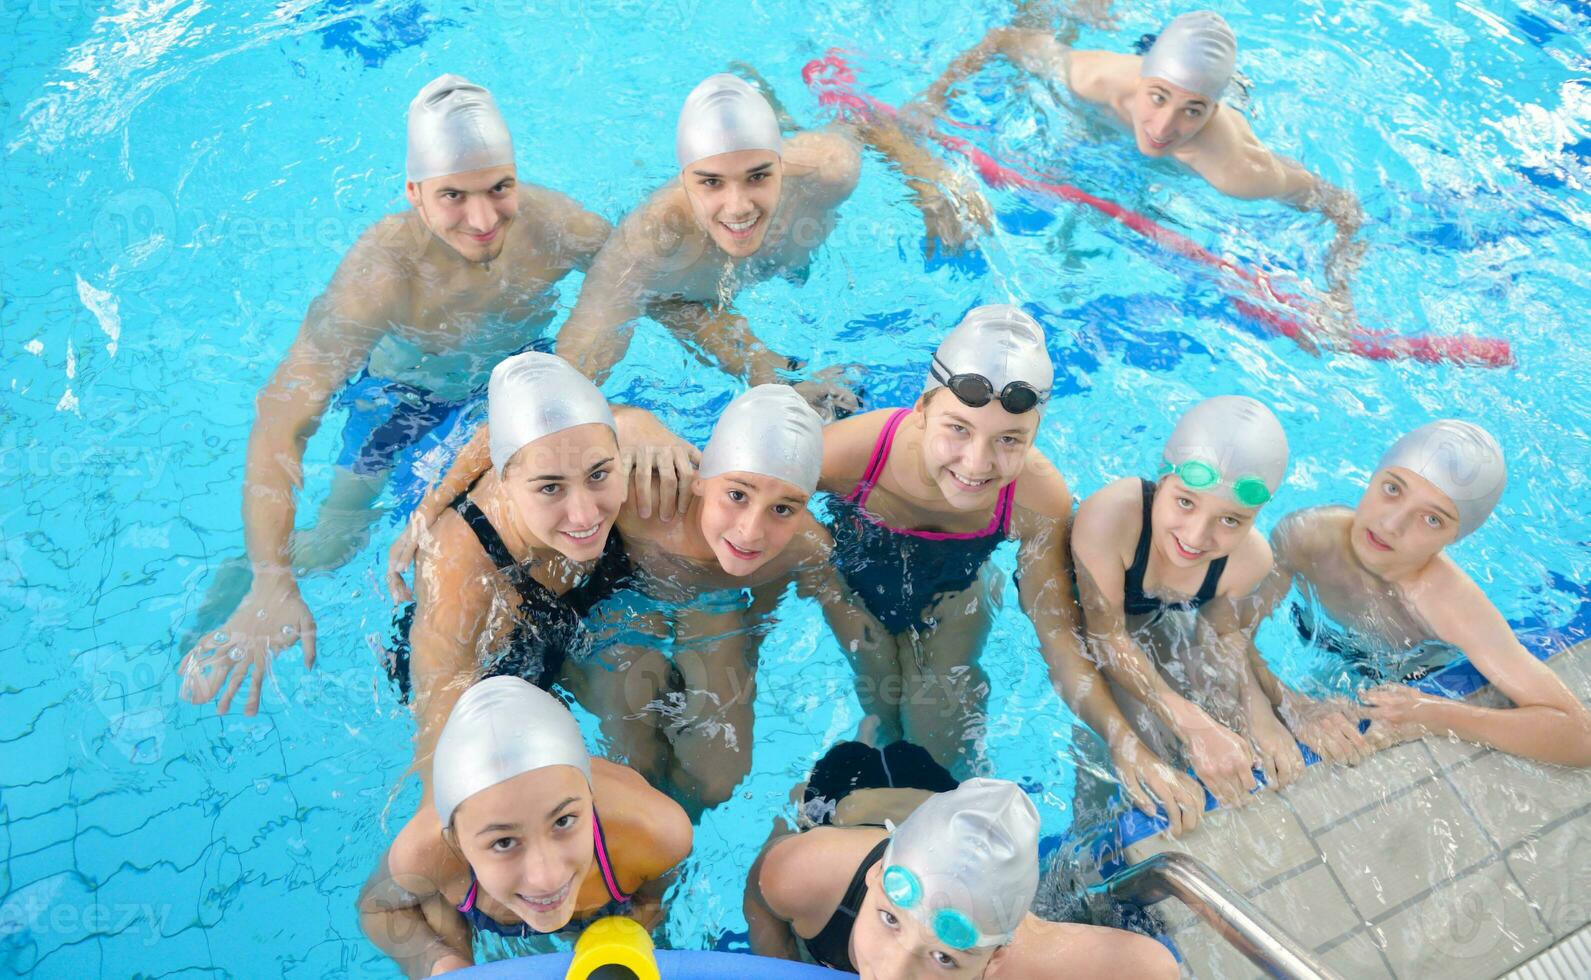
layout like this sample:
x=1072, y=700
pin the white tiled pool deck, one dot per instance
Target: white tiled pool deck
x=1435, y=859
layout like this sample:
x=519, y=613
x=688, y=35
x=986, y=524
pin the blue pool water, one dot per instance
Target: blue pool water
x=181, y=178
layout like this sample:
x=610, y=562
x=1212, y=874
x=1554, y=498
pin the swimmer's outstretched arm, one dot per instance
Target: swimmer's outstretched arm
x=1036, y=52
x=634, y=273
x=342, y=326
x=1549, y=723
x=1253, y=172
x=1228, y=624
x=455, y=621
x=952, y=207
x=1329, y=727
x=1045, y=591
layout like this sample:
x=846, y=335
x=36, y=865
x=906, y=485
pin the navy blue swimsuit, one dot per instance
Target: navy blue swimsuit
x=897, y=573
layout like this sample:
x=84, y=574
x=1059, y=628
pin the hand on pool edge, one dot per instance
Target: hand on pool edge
x=1152, y=786
x=271, y=619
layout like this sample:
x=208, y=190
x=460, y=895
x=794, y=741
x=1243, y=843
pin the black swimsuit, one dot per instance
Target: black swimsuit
x=831, y=947
x=1135, y=602
x=548, y=626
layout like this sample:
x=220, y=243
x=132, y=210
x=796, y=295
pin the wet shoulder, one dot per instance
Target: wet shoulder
x=1101, y=76
x=848, y=447
x=804, y=877
x=647, y=833
x=561, y=226
x=420, y=861
x=830, y=161
x=1248, y=565
x=1304, y=536
x=1042, y=489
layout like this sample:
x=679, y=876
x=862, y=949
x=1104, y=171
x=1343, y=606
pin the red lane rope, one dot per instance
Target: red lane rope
x=832, y=79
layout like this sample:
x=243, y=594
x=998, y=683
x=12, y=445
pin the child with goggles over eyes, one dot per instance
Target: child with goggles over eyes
x=922, y=497
x=947, y=893
x=1165, y=573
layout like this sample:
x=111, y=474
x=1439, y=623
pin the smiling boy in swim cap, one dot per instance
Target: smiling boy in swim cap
x=748, y=204
x=1163, y=568
x=1381, y=571
x=1169, y=99
x=421, y=307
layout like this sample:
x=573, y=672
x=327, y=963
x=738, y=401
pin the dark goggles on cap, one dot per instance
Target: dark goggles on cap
x=976, y=391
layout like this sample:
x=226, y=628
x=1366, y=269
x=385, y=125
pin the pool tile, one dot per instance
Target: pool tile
x=1397, y=850
x=1555, y=870
x=1478, y=926
x=1357, y=958
x=1514, y=797
x=1206, y=956
x=1327, y=793
x=1246, y=847
x=1310, y=907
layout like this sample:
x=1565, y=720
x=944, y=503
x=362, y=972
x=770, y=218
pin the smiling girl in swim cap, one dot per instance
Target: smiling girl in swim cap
x=922, y=497
x=523, y=835
x=946, y=894
x=1161, y=567
x=521, y=558
x=1405, y=608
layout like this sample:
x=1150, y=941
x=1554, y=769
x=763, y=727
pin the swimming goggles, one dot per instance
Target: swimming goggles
x=976, y=391
x=952, y=926
x=1250, y=491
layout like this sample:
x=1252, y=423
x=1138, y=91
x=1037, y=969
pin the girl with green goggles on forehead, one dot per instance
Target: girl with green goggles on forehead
x=1164, y=568
x=948, y=893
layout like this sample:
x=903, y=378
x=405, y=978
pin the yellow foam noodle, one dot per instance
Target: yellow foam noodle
x=613, y=941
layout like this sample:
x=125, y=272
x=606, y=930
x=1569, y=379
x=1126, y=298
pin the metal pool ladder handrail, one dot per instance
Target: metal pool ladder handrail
x=1172, y=874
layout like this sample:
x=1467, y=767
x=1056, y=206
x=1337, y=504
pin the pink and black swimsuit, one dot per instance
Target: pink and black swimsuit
x=898, y=573
x=618, y=904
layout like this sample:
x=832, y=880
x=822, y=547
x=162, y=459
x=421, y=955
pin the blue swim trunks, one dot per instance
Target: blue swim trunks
x=394, y=426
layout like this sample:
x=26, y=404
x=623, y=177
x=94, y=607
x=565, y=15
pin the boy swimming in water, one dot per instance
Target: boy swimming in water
x=1163, y=570
x=1381, y=571
x=748, y=205
x=1170, y=101
x=421, y=307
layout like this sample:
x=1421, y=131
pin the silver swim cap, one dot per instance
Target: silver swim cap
x=972, y=857
x=454, y=126
x=1236, y=438
x=502, y=727
x=533, y=395
x=771, y=431
x=999, y=342
x=1461, y=459
x=721, y=115
x=1196, y=51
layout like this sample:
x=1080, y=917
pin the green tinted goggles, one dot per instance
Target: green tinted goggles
x=1250, y=491
x=953, y=928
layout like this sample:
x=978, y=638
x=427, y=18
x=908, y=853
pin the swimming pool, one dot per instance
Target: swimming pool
x=181, y=178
